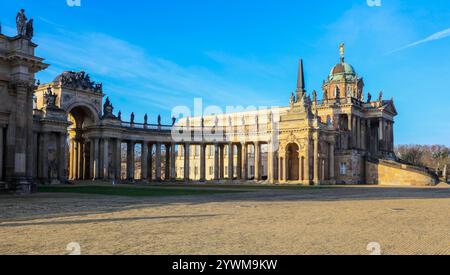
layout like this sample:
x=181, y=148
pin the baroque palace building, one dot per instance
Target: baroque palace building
x=64, y=131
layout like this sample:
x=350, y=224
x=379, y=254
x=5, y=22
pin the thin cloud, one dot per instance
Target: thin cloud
x=128, y=71
x=437, y=36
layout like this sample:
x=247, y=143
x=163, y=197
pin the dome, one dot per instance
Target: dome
x=342, y=70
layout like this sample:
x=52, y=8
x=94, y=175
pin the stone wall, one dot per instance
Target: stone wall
x=390, y=173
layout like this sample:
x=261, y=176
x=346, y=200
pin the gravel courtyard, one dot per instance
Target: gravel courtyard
x=340, y=220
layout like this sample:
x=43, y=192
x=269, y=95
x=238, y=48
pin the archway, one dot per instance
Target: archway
x=79, y=149
x=293, y=162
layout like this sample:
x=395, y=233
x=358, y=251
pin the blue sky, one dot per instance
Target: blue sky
x=155, y=55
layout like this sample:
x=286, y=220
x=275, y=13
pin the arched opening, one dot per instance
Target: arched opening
x=79, y=149
x=293, y=162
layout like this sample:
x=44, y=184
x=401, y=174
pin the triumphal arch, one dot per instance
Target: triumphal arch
x=68, y=130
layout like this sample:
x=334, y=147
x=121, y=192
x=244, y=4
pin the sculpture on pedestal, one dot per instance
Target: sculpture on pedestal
x=50, y=99
x=29, y=30
x=21, y=22
x=108, y=109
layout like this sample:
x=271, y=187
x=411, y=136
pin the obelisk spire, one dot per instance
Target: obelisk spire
x=300, y=79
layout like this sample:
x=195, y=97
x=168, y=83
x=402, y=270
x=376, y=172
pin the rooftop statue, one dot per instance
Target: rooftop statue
x=78, y=80
x=29, y=32
x=380, y=97
x=108, y=109
x=21, y=22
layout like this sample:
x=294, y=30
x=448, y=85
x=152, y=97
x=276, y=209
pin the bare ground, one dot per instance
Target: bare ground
x=309, y=221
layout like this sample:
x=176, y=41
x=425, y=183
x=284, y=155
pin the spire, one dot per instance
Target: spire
x=342, y=52
x=300, y=78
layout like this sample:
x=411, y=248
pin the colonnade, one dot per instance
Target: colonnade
x=102, y=158
x=237, y=157
x=361, y=132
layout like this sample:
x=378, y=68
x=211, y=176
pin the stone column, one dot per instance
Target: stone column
x=82, y=160
x=44, y=156
x=216, y=162
x=130, y=160
x=380, y=134
x=332, y=173
x=96, y=166
x=62, y=159
x=187, y=158
x=239, y=162
x=76, y=161
x=257, y=161
x=70, y=173
x=300, y=167
x=350, y=130
x=392, y=136
x=84, y=164
x=286, y=168
x=173, y=161
x=270, y=161
x=105, y=159
x=144, y=161
x=316, y=161
x=167, y=166
x=91, y=159
x=151, y=163
x=1, y=153
x=202, y=162
x=230, y=161
x=307, y=163
x=118, y=160
x=158, y=161
x=244, y=161
x=221, y=164
x=21, y=119
x=358, y=134
x=363, y=134
x=280, y=170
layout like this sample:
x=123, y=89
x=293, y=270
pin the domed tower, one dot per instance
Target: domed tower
x=343, y=82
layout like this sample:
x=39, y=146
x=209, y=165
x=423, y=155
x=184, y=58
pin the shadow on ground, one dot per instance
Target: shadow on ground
x=44, y=206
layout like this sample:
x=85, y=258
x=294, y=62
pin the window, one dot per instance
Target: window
x=196, y=171
x=343, y=167
x=211, y=170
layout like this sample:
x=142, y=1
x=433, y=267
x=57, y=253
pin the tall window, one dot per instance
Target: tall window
x=343, y=169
